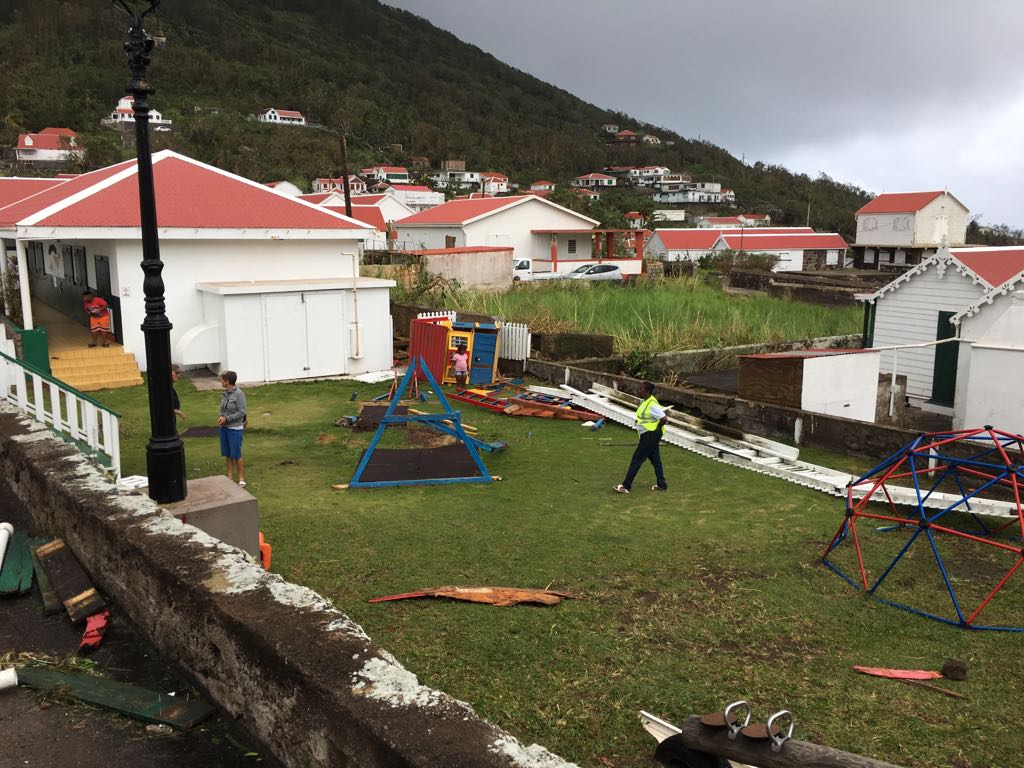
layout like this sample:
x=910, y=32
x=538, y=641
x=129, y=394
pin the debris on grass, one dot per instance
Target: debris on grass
x=898, y=674
x=501, y=596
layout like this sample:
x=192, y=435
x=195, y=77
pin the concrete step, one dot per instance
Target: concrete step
x=64, y=370
x=79, y=353
x=103, y=382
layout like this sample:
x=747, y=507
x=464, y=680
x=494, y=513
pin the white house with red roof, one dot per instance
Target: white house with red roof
x=505, y=222
x=925, y=304
x=907, y=227
x=392, y=174
x=493, y=183
x=50, y=145
x=282, y=117
x=669, y=244
x=588, y=194
x=356, y=186
x=792, y=251
x=718, y=222
x=542, y=185
x=255, y=281
x=123, y=116
x=990, y=355
x=594, y=180
x=755, y=219
x=627, y=137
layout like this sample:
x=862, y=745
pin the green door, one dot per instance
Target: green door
x=944, y=373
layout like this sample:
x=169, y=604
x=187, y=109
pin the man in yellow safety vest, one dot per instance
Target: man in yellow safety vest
x=650, y=423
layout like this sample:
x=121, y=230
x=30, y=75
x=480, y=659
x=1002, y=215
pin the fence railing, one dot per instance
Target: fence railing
x=447, y=313
x=514, y=341
x=72, y=415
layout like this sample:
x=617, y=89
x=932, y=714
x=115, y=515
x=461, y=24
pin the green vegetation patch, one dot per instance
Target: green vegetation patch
x=686, y=600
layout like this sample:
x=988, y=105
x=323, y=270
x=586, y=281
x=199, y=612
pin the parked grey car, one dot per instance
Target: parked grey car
x=596, y=272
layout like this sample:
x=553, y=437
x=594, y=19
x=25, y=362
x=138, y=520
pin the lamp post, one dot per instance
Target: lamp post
x=165, y=452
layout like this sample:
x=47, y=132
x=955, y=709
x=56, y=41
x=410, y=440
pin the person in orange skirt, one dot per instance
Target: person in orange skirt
x=99, y=318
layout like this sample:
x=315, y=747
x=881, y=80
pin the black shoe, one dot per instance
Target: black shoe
x=658, y=488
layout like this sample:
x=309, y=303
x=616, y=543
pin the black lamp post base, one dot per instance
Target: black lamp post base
x=165, y=465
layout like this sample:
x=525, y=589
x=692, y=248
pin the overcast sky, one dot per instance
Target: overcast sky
x=891, y=95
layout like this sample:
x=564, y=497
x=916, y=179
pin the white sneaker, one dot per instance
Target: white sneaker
x=241, y=483
x=620, y=488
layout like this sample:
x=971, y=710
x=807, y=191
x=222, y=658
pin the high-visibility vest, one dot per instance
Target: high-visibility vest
x=643, y=414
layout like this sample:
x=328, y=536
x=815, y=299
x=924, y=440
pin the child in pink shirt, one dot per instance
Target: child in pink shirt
x=460, y=359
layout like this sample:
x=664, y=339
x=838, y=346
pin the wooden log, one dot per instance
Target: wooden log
x=70, y=581
x=794, y=754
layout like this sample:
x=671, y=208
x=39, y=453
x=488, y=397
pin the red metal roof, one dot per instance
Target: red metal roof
x=543, y=183
x=45, y=141
x=752, y=240
x=189, y=195
x=370, y=215
x=595, y=176
x=993, y=265
x=13, y=188
x=59, y=132
x=316, y=198
x=411, y=187
x=286, y=112
x=899, y=202
x=753, y=216
x=386, y=169
x=688, y=239
x=368, y=199
x=461, y=211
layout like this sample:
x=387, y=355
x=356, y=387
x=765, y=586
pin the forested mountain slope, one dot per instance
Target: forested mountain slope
x=383, y=76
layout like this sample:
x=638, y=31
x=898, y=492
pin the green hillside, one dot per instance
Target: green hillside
x=383, y=76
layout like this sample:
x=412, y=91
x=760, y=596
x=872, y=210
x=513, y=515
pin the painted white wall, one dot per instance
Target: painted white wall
x=489, y=271
x=187, y=262
x=885, y=229
x=993, y=390
x=942, y=217
x=909, y=315
x=842, y=385
x=514, y=226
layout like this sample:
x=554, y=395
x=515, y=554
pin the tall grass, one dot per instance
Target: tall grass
x=664, y=315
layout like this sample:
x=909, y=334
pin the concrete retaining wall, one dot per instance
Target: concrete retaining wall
x=698, y=360
x=300, y=676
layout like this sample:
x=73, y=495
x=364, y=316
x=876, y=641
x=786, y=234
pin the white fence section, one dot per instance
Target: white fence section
x=74, y=416
x=443, y=313
x=514, y=341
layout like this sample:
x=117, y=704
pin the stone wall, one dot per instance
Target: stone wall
x=775, y=422
x=571, y=346
x=299, y=675
x=698, y=360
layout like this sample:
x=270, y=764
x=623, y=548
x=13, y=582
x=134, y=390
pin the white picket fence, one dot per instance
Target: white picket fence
x=72, y=415
x=513, y=338
x=514, y=341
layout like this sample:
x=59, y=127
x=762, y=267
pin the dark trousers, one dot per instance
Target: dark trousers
x=649, y=447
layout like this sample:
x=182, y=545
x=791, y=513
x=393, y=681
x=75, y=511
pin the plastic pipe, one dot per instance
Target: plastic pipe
x=8, y=677
x=6, y=530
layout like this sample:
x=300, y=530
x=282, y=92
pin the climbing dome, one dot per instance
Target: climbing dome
x=937, y=529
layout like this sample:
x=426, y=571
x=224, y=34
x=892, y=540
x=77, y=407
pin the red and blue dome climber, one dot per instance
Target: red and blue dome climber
x=922, y=559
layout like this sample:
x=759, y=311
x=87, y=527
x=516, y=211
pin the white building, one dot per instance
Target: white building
x=255, y=281
x=392, y=174
x=285, y=188
x=610, y=128
x=504, y=222
x=392, y=209
x=792, y=251
x=356, y=186
x=50, y=145
x=456, y=179
x=650, y=138
x=418, y=197
x=493, y=183
x=282, y=117
x=669, y=244
x=593, y=180
x=919, y=306
x=124, y=114
x=907, y=227
x=542, y=186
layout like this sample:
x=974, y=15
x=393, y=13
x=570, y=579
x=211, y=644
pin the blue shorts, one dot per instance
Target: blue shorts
x=231, y=443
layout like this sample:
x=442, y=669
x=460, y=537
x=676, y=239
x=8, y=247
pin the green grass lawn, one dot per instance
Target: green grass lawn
x=667, y=315
x=687, y=600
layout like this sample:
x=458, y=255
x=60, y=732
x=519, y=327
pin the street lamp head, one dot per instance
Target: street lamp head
x=128, y=7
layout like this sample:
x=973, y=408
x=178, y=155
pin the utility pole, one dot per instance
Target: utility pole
x=344, y=175
x=808, y=211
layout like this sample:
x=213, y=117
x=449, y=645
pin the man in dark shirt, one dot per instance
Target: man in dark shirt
x=175, y=400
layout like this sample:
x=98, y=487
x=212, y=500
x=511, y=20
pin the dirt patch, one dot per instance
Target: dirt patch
x=419, y=436
x=323, y=439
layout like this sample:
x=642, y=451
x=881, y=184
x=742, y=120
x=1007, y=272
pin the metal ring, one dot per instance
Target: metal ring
x=778, y=741
x=734, y=728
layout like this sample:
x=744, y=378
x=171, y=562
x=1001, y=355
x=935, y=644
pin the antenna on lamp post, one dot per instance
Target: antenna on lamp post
x=165, y=452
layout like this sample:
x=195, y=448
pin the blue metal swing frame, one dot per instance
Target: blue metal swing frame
x=434, y=420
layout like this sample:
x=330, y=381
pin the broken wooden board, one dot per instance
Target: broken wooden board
x=16, y=575
x=70, y=581
x=502, y=596
x=132, y=700
x=51, y=603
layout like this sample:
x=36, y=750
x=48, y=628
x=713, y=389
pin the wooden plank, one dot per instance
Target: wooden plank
x=132, y=700
x=51, y=603
x=16, y=562
x=70, y=581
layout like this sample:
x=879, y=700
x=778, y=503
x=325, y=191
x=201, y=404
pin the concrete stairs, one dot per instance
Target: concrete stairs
x=99, y=368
